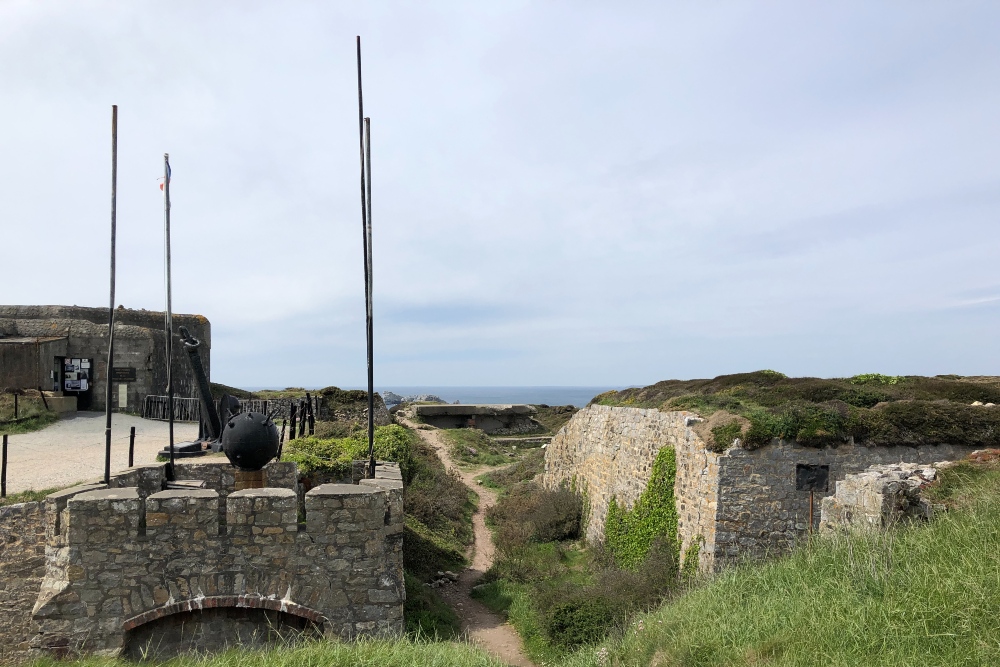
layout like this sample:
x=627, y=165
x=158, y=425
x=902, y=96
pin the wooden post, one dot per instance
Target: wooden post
x=131, y=447
x=291, y=419
x=3, y=470
x=810, y=512
x=309, y=414
x=302, y=419
x=44, y=402
x=15, y=405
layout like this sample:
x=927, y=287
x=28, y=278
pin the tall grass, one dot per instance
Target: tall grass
x=323, y=653
x=927, y=595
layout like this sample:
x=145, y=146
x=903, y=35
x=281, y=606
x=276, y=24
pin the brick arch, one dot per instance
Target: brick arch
x=222, y=601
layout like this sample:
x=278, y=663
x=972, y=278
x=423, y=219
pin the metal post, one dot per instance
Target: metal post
x=365, y=197
x=15, y=405
x=368, y=286
x=44, y=402
x=168, y=323
x=3, y=470
x=111, y=306
x=131, y=447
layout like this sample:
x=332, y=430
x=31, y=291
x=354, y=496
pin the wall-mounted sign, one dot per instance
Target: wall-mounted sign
x=76, y=374
x=123, y=374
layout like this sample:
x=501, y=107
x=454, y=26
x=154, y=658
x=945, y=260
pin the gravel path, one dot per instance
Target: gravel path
x=72, y=449
x=480, y=624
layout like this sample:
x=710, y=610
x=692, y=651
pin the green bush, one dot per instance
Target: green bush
x=629, y=534
x=525, y=470
x=334, y=455
x=873, y=409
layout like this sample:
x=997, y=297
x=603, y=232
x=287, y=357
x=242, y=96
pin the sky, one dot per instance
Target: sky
x=564, y=193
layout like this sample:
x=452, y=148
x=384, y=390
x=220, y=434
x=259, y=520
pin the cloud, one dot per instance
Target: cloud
x=564, y=193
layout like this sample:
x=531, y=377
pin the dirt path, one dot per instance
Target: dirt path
x=479, y=623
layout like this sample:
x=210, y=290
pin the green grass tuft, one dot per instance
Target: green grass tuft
x=927, y=595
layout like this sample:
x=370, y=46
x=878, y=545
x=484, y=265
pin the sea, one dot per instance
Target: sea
x=576, y=396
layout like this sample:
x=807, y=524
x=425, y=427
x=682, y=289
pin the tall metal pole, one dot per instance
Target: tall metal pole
x=364, y=240
x=168, y=316
x=368, y=285
x=111, y=306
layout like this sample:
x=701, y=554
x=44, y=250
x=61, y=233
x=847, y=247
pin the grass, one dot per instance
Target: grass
x=927, y=595
x=326, y=653
x=873, y=409
x=33, y=423
x=29, y=496
x=553, y=417
x=32, y=415
x=525, y=470
x=472, y=446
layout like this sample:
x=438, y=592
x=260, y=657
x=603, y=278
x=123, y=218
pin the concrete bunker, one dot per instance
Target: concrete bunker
x=493, y=419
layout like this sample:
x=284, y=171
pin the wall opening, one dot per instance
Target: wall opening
x=214, y=630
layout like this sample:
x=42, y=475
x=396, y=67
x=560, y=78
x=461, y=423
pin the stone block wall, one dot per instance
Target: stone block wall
x=737, y=504
x=609, y=452
x=110, y=570
x=22, y=567
x=880, y=497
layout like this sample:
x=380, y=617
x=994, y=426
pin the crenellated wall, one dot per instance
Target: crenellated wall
x=137, y=571
x=737, y=504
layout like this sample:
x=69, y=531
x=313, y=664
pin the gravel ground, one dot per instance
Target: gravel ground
x=72, y=449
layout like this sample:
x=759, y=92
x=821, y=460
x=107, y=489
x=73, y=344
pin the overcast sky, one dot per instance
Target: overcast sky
x=564, y=193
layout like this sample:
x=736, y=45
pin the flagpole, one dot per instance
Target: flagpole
x=111, y=307
x=364, y=240
x=168, y=316
x=368, y=294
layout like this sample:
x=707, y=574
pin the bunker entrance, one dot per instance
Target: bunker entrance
x=214, y=630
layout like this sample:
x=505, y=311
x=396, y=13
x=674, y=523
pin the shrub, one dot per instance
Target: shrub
x=539, y=514
x=629, y=534
x=532, y=465
x=334, y=455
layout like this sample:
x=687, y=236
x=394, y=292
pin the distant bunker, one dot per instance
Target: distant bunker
x=493, y=419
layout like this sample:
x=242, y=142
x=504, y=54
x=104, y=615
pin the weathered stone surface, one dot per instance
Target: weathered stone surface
x=737, y=504
x=880, y=497
x=91, y=567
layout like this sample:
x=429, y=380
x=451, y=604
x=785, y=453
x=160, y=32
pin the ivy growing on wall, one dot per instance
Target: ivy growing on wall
x=629, y=534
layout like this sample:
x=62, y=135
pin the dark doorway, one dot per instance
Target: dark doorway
x=214, y=630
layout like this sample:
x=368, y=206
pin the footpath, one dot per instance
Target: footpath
x=479, y=623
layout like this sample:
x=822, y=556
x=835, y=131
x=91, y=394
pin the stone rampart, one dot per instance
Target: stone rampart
x=737, y=504
x=22, y=567
x=137, y=571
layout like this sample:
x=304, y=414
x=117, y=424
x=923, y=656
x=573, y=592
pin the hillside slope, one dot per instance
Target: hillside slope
x=924, y=595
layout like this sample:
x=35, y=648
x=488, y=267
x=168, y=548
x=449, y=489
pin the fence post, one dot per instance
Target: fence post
x=44, y=402
x=302, y=419
x=3, y=470
x=131, y=447
x=291, y=418
x=15, y=406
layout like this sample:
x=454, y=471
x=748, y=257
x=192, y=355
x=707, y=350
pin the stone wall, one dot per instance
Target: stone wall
x=609, y=452
x=93, y=567
x=762, y=513
x=22, y=567
x=880, y=497
x=738, y=504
